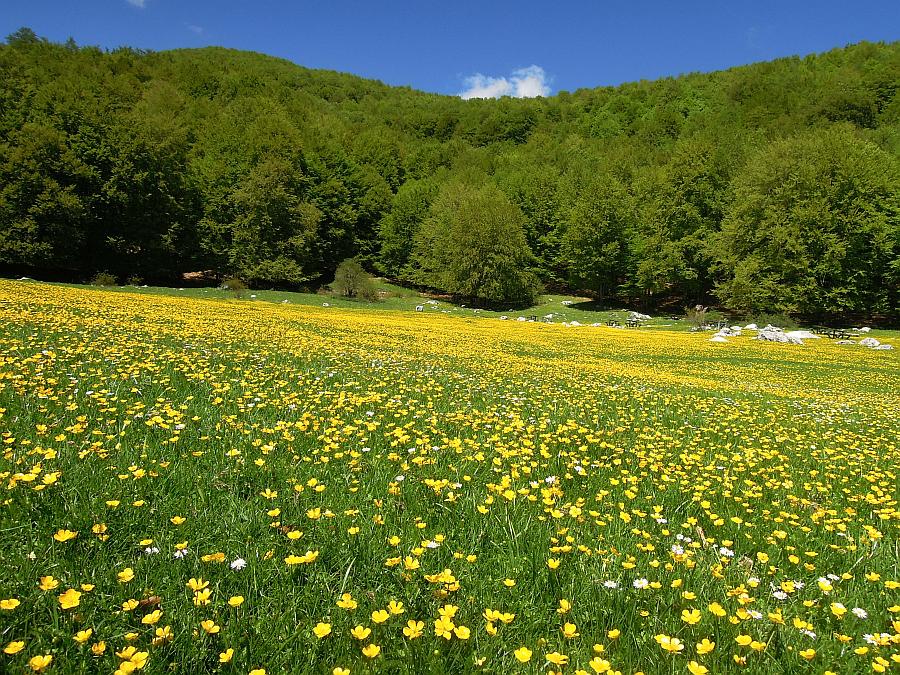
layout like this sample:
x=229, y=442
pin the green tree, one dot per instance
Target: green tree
x=595, y=244
x=813, y=228
x=473, y=245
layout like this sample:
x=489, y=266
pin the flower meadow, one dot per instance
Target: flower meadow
x=201, y=486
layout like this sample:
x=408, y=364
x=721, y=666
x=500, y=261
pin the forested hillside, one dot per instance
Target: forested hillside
x=769, y=187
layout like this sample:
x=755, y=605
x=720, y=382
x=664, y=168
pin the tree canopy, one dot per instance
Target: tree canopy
x=768, y=187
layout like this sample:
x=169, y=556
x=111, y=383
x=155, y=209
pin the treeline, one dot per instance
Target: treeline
x=773, y=187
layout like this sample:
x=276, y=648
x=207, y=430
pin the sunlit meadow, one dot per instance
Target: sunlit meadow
x=202, y=486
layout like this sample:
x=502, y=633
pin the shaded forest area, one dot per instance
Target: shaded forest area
x=773, y=187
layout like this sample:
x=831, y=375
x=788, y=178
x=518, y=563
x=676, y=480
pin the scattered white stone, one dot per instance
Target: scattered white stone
x=325, y=304
x=566, y=303
x=845, y=342
x=504, y=317
x=864, y=329
x=769, y=334
x=284, y=302
x=869, y=342
x=717, y=338
x=253, y=297
x=803, y=335
x=751, y=326
x=736, y=330
x=521, y=318
x=574, y=323
x=420, y=308
x=637, y=316
x=885, y=347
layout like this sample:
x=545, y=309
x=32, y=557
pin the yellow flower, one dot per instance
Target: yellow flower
x=523, y=654
x=48, y=583
x=9, y=604
x=70, y=599
x=236, y=600
x=808, y=654
x=83, y=636
x=360, y=632
x=129, y=605
x=125, y=575
x=197, y=584
x=443, y=627
x=371, y=651
x=705, y=646
x=14, y=647
x=40, y=663
x=691, y=616
x=613, y=634
x=697, y=669
x=322, y=629
x=717, y=609
x=557, y=659
x=209, y=627
x=98, y=648
x=380, y=616
x=152, y=617
x=671, y=644
x=743, y=640
x=64, y=535
x=258, y=671
x=340, y=671
x=462, y=632
x=347, y=602
x=226, y=656
x=162, y=635
x=838, y=609
x=305, y=559
x=178, y=520
x=395, y=607
x=553, y=563
x=569, y=630
x=201, y=597
x=413, y=629
x=599, y=665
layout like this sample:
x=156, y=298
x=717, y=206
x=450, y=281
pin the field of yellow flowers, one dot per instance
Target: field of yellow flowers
x=200, y=486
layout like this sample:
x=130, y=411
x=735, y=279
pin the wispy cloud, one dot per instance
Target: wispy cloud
x=140, y=4
x=194, y=28
x=522, y=83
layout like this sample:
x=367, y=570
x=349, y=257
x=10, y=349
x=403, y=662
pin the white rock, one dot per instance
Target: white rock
x=803, y=335
x=574, y=323
x=864, y=329
x=869, y=342
x=845, y=342
x=717, y=338
x=504, y=318
x=521, y=318
x=885, y=347
x=637, y=316
x=735, y=329
x=777, y=335
x=751, y=326
x=566, y=302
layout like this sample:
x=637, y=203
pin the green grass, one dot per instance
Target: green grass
x=518, y=445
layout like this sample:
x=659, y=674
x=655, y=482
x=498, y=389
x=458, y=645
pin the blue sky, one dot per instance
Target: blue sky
x=481, y=48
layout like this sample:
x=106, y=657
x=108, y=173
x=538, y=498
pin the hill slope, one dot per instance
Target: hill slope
x=765, y=187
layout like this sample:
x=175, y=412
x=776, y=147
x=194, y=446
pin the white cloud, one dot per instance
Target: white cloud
x=522, y=83
x=195, y=28
x=137, y=3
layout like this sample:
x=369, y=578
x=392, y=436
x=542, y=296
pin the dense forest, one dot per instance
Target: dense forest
x=768, y=187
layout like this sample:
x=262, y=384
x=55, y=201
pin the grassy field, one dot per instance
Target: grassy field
x=199, y=485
